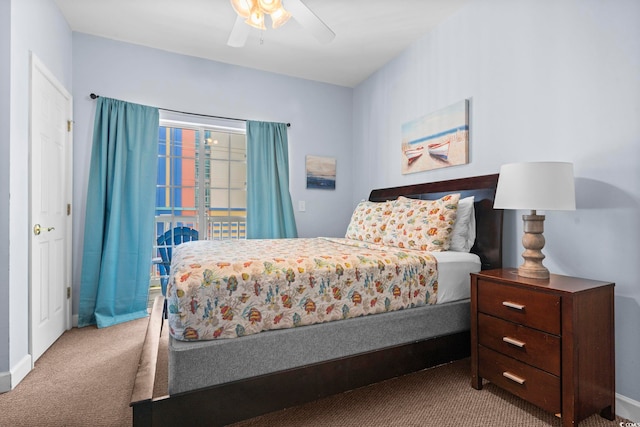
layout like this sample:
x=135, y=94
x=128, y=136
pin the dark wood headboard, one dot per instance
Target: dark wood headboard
x=488, y=245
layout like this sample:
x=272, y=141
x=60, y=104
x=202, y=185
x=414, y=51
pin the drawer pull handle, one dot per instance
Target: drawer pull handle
x=513, y=305
x=513, y=377
x=513, y=341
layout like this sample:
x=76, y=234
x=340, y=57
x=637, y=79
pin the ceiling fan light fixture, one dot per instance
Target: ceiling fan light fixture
x=243, y=7
x=252, y=13
x=279, y=17
x=270, y=6
x=256, y=18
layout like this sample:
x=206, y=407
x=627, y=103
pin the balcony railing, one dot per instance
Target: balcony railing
x=216, y=227
x=226, y=227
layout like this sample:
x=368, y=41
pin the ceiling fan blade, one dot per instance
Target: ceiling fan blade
x=239, y=33
x=310, y=21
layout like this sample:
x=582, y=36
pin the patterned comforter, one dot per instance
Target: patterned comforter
x=227, y=289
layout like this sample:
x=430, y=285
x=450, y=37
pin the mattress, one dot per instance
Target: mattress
x=230, y=289
x=453, y=274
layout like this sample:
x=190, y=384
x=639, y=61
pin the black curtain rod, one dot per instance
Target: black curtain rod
x=94, y=96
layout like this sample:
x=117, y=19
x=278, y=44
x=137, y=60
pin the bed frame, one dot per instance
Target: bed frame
x=228, y=403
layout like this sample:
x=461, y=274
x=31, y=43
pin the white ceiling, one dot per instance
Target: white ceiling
x=369, y=33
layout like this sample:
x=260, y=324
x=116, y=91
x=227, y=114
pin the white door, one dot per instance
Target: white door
x=50, y=209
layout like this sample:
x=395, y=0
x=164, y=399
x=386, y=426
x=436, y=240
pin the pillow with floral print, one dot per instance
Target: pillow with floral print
x=369, y=221
x=424, y=225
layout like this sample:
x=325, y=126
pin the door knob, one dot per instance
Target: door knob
x=37, y=229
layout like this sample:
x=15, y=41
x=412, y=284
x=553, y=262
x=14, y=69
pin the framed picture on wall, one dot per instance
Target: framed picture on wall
x=321, y=172
x=437, y=140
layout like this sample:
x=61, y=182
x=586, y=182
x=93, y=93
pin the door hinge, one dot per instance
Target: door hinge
x=68, y=209
x=69, y=125
x=68, y=292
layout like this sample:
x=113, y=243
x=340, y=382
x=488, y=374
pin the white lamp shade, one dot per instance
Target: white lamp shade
x=536, y=186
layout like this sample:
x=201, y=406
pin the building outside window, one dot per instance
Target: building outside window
x=202, y=182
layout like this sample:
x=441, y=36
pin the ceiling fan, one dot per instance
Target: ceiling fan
x=251, y=13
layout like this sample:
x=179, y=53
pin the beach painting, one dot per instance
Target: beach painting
x=321, y=172
x=437, y=140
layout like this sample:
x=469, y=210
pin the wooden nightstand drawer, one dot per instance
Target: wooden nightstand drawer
x=534, y=385
x=528, y=345
x=538, y=310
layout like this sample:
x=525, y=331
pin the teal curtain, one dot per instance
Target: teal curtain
x=118, y=234
x=269, y=207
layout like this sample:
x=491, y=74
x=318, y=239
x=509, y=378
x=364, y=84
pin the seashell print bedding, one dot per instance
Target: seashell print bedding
x=228, y=289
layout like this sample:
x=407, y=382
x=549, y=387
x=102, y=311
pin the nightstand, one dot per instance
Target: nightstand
x=550, y=342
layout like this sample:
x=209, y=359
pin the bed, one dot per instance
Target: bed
x=217, y=381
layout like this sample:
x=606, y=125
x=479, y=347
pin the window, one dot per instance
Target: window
x=202, y=181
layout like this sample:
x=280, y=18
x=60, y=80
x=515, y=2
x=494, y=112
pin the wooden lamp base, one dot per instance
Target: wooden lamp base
x=533, y=242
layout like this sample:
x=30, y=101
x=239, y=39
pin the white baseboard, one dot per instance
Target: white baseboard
x=627, y=408
x=9, y=380
x=22, y=368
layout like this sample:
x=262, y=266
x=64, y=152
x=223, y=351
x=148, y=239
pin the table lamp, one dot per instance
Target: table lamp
x=535, y=186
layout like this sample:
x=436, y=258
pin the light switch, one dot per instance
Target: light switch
x=302, y=206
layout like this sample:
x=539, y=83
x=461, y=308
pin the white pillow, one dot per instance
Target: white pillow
x=464, y=229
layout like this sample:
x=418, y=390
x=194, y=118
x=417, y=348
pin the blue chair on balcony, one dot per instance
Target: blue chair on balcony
x=166, y=242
